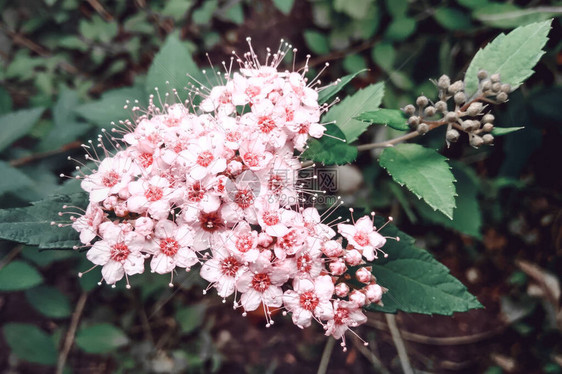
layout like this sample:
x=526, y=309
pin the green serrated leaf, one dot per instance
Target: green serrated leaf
x=424, y=172
x=17, y=124
x=343, y=113
x=499, y=131
x=316, y=42
x=110, y=107
x=416, y=282
x=284, y=6
x=335, y=87
x=389, y=117
x=507, y=15
x=190, y=318
x=513, y=56
x=452, y=19
x=101, y=338
x=18, y=275
x=49, y=301
x=32, y=225
x=30, y=343
x=467, y=217
x=328, y=150
x=172, y=64
x=12, y=179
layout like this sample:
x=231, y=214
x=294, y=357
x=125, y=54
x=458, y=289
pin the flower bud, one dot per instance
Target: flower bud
x=486, y=85
x=363, y=275
x=413, y=120
x=441, y=106
x=496, y=87
x=264, y=239
x=506, y=88
x=358, y=298
x=495, y=78
x=337, y=267
x=353, y=257
x=476, y=141
x=409, y=109
x=488, y=118
x=144, y=226
x=452, y=136
x=429, y=111
x=451, y=117
x=456, y=87
x=488, y=127
x=488, y=138
x=469, y=125
x=443, y=82
x=423, y=128
x=332, y=248
x=373, y=292
x=422, y=101
x=460, y=98
x=341, y=290
x=501, y=97
x=474, y=109
x=482, y=74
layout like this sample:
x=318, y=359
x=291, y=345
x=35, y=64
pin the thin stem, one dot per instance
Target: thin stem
x=399, y=344
x=42, y=155
x=325, y=360
x=69, y=340
x=10, y=256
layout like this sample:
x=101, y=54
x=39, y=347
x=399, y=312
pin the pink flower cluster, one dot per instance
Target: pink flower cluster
x=216, y=184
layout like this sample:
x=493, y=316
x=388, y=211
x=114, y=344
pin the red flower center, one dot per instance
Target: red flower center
x=244, y=243
x=270, y=218
x=340, y=316
x=153, y=193
x=252, y=159
x=230, y=266
x=361, y=238
x=110, y=179
x=244, y=198
x=261, y=282
x=304, y=263
x=210, y=221
x=146, y=159
x=308, y=300
x=119, y=252
x=169, y=246
x=266, y=124
x=205, y=158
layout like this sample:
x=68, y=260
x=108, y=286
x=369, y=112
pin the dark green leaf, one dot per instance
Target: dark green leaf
x=397, y=8
x=30, y=343
x=101, y=338
x=172, y=64
x=452, y=19
x=353, y=63
x=49, y=301
x=400, y=28
x=110, y=107
x=284, y=6
x=5, y=101
x=391, y=117
x=12, y=179
x=499, y=131
x=513, y=56
x=384, y=55
x=335, y=87
x=17, y=124
x=190, y=318
x=343, y=113
x=46, y=257
x=329, y=150
x=316, y=42
x=32, y=225
x=417, y=283
x=18, y=275
x=424, y=172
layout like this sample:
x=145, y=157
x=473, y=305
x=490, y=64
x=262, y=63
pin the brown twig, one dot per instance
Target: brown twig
x=69, y=340
x=325, y=360
x=101, y=10
x=369, y=355
x=340, y=54
x=399, y=344
x=11, y=255
x=40, y=155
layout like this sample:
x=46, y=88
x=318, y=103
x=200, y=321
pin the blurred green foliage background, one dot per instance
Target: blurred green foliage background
x=67, y=68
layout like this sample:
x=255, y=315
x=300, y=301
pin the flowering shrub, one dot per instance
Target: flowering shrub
x=211, y=184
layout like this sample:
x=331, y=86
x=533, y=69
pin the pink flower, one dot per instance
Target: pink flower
x=261, y=283
x=88, y=223
x=173, y=248
x=113, y=175
x=362, y=235
x=310, y=299
x=346, y=315
x=222, y=271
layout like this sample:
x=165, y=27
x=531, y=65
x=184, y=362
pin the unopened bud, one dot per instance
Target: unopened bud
x=341, y=290
x=423, y=128
x=452, y=135
x=353, y=257
x=429, y=111
x=455, y=87
x=495, y=78
x=482, y=74
x=409, y=109
x=476, y=141
x=501, y=97
x=358, y=298
x=474, y=109
x=413, y=121
x=486, y=85
x=422, y=101
x=488, y=138
x=488, y=118
x=441, y=106
x=488, y=127
x=363, y=275
x=496, y=87
x=374, y=293
x=469, y=125
x=337, y=267
x=506, y=88
x=451, y=117
x=460, y=98
x=443, y=82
